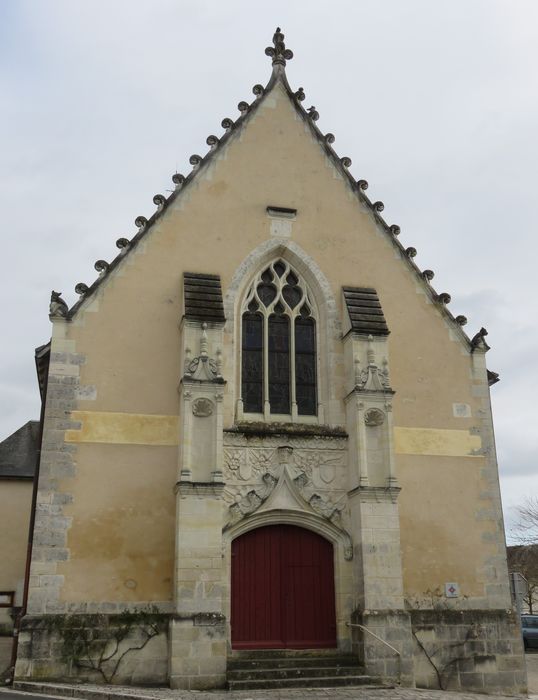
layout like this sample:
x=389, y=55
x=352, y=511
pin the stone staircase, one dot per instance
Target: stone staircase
x=293, y=669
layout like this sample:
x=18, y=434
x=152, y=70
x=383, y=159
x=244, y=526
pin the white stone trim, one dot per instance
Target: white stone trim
x=328, y=324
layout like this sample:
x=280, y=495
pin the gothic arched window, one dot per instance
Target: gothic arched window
x=278, y=359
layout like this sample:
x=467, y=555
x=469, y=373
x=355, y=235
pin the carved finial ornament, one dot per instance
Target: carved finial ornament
x=140, y=222
x=372, y=377
x=212, y=141
x=178, y=179
x=81, y=288
x=478, y=340
x=101, y=265
x=195, y=161
x=278, y=52
x=203, y=341
x=203, y=367
x=58, y=308
x=370, y=353
x=159, y=200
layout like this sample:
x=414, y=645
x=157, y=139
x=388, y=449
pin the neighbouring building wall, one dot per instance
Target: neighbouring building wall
x=18, y=454
x=15, y=505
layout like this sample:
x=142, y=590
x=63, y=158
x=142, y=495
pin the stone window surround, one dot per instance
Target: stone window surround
x=328, y=330
x=307, y=298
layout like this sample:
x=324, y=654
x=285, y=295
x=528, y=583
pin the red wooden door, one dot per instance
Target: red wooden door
x=282, y=590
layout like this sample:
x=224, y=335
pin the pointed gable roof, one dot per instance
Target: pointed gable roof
x=279, y=55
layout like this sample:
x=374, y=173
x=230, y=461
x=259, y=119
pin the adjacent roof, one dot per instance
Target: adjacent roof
x=202, y=297
x=365, y=312
x=18, y=452
x=42, y=359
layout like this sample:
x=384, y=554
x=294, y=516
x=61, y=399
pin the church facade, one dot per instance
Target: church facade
x=264, y=429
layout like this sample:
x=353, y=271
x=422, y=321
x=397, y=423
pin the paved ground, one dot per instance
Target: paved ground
x=126, y=693
x=532, y=671
x=5, y=652
x=99, y=692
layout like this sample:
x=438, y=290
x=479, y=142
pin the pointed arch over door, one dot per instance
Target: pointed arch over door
x=282, y=589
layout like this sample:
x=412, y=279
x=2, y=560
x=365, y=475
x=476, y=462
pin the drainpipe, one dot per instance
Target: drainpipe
x=22, y=613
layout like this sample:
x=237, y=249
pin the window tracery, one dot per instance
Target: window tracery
x=278, y=360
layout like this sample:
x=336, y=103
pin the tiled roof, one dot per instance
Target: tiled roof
x=18, y=452
x=365, y=312
x=202, y=297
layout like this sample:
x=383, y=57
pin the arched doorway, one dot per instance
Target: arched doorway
x=282, y=590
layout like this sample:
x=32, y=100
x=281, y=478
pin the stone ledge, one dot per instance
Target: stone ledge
x=199, y=488
x=255, y=429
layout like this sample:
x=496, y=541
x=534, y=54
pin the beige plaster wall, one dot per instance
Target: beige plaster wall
x=123, y=511
x=441, y=537
x=121, y=539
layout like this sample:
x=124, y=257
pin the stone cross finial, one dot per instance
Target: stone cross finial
x=203, y=342
x=280, y=54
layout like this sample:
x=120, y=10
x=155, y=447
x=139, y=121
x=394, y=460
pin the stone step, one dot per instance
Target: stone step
x=289, y=661
x=305, y=682
x=274, y=653
x=256, y=674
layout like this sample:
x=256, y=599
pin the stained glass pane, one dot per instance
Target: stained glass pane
x=305, y=369
x=279, y=364
x=304, y=335
x=292, y=295
x=292, y=278
x=279, y=268
x=305, y=366
x=267, y=293
x=252, y=332
x=252, y=363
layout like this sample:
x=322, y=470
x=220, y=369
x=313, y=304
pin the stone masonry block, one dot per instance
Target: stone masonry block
x=50, y=537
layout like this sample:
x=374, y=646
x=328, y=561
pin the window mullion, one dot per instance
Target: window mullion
x=266, y=404
x=293, y=392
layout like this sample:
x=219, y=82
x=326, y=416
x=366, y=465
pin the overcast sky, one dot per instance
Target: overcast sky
x=436, y=103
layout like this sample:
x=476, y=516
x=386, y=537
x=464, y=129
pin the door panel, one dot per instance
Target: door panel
x=282, y=589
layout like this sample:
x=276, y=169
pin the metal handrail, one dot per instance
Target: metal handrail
x=379, y=639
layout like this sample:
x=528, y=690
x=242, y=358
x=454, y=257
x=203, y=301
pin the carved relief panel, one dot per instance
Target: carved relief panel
x=317, y=466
